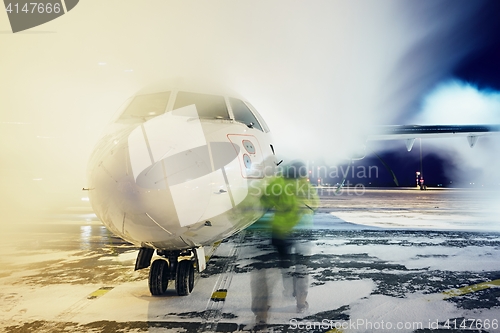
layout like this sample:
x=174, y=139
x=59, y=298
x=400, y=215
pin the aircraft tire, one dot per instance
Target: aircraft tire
x=158, y=277
x=184, y=281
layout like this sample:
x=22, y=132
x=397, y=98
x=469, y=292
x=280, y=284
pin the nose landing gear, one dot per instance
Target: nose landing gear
x=171, y=268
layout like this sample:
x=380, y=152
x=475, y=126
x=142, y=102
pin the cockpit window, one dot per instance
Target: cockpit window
x=243, y=114
x=145, y=106
x=259, y=117
x=208, y=106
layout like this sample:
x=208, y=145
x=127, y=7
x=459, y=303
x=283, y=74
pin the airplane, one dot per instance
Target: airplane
x=178, y=171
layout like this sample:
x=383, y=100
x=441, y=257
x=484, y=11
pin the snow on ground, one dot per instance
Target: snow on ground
x=443, y=209
x=366, y=274
x=385, y=313
x=471, y=258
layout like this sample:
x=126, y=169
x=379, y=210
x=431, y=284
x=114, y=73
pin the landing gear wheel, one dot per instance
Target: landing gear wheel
x=184, y=281
x=158, y=277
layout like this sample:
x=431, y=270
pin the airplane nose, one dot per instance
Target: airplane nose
x=159, y=177
x=127, y=209
x=171, y=153
x=161, y=174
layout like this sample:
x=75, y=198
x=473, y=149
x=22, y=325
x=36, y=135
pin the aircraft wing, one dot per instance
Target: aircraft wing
x=411, y=132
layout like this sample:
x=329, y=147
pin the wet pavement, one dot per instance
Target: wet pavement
x=75, y=276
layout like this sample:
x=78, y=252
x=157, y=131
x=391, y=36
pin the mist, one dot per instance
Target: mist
x=458, y=102
x=321, y=73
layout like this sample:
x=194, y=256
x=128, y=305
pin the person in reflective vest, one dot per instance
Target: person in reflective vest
x=293, y=201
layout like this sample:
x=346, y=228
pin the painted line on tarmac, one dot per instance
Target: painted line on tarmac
x=78, y=307
x=212, y=250
x=219, y=295
x=99, y=292
x=216, y=303
x=470, y=289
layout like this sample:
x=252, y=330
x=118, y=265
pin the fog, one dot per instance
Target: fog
x=320, y=73
x=459, y=102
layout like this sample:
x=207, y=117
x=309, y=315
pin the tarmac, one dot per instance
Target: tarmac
x=384, y=260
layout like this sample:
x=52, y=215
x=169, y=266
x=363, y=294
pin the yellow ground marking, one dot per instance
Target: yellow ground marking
x=470, y=289
x=219, y=295
x=99, y=292
x=335, y=330
x=212, y=250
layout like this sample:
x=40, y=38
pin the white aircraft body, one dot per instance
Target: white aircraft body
x=178, y=171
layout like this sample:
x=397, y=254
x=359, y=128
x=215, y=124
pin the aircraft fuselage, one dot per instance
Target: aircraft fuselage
x=180, y=170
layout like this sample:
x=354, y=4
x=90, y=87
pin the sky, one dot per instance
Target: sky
x=320, y=72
